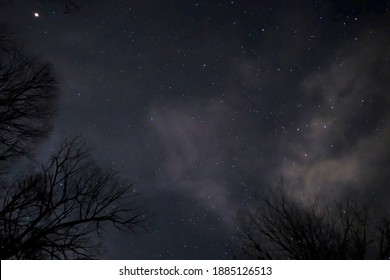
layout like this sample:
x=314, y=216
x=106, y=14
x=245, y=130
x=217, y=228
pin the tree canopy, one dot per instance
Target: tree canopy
x=280, y=228
x=28, y=95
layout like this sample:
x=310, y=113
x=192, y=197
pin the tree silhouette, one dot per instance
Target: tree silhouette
x=282, y=229
x=69, y=6
x=58, y=210
x=61, y=211
x=27, y=100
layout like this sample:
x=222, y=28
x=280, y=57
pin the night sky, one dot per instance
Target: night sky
x=201, y=103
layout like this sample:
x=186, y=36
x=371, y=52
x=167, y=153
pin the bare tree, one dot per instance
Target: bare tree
x=27, y=100
x=282, y=229
x=70, y=6
x=61, y=211
x=383, y=236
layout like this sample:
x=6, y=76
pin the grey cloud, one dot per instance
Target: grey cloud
x=351, y=111
x=193, y=154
